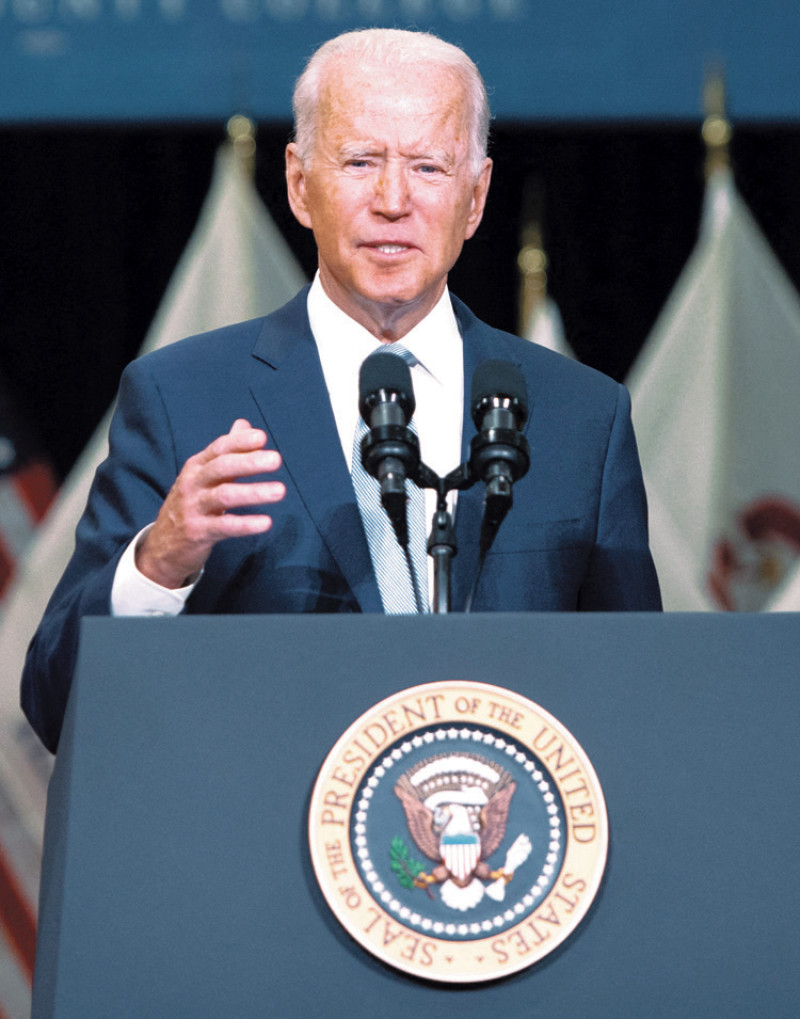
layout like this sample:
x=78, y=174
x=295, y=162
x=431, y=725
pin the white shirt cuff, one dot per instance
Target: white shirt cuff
x=134, y=594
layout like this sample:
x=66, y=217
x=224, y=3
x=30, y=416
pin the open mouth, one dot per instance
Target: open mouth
x=390, y=249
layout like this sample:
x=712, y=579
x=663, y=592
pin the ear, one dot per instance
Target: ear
x=479, y=192
x=296, y=185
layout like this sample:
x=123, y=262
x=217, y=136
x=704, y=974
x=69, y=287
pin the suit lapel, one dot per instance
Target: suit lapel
x=469, y=510
x=289, y=387
x=481, y=343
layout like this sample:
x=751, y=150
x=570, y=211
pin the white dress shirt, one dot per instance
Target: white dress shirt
x=343, y=345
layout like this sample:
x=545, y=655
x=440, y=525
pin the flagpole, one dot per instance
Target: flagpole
x=717, y=129
x=532, y=259
x=242, y=137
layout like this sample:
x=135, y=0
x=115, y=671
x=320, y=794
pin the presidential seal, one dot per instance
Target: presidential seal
x=458, y=831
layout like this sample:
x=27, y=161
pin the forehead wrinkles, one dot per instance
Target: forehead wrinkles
x=369, y=109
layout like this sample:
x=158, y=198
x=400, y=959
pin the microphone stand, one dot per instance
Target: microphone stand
x=390, y=452
x=442, y=548
x=442, y=539
x=502, y=446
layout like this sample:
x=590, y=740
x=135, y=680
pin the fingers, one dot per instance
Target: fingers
x=241, y=453
x=223, y=497
x=242, y=438
x=197, y=512
x=228, y=466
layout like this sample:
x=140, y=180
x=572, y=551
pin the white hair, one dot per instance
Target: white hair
x=395, y=46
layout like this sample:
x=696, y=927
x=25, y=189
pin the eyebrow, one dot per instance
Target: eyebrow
x=365, y=150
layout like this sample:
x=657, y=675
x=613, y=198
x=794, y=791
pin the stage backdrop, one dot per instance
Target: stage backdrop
x=578, y=59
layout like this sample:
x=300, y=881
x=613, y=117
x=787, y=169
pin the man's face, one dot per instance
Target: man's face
x=390, y=194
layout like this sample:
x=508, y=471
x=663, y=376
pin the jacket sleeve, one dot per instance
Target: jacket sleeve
x=126, y=494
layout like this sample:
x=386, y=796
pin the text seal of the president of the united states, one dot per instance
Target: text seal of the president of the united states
x=458, y=831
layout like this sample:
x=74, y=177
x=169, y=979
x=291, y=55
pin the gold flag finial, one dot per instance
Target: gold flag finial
x=531, y=260
x=242, y=136
x=717, y=128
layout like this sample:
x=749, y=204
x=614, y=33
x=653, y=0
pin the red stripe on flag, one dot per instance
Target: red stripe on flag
x=7, y=566
x=17, y=917
x=37, y=485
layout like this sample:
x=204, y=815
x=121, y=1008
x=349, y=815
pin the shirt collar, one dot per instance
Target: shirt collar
x=435, y=341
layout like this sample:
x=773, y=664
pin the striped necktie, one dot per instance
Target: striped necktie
x=393, y=568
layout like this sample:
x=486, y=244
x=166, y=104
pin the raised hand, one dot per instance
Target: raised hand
x=196, y=513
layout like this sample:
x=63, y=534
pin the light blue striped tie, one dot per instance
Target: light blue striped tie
x=392, y=568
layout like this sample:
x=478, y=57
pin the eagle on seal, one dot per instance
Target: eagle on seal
x=456, y=806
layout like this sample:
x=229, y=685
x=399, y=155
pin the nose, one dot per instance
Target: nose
x=392, y=196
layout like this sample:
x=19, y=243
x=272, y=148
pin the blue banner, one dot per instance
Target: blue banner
x=117, y=60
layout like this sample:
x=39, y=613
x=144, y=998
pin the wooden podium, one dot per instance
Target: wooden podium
x=177, y=879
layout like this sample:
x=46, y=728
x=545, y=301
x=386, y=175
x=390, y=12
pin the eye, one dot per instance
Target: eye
x=358, y=163
x=432, y=168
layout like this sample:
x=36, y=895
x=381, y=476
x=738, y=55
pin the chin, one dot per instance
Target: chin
x=394, y=293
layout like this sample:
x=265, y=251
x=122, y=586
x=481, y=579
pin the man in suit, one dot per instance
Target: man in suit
x=389, y=170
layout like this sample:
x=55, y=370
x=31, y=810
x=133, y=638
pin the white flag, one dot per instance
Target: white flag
x=236, y=266
x=546, y=328
x=715, y=406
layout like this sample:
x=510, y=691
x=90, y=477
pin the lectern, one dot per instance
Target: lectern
x=177, y=879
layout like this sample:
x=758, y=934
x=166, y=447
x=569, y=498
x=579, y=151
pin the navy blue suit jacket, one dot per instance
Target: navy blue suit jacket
x=576, y=538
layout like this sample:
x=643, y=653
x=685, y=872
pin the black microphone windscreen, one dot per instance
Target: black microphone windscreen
x=384, y=370
x=498, y=379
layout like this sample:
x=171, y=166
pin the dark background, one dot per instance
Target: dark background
x=94, y=219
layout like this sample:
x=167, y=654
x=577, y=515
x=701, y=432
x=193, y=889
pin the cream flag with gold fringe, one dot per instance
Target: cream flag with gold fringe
x=236, y=266
x=715, y=407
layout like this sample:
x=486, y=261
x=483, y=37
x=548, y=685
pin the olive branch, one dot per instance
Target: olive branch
x=406, y=868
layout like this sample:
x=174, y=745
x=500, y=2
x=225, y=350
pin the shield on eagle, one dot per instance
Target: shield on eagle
x=460, y=854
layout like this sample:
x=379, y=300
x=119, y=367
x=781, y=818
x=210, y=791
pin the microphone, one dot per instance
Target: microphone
x=499, y=454
x=390, y=449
